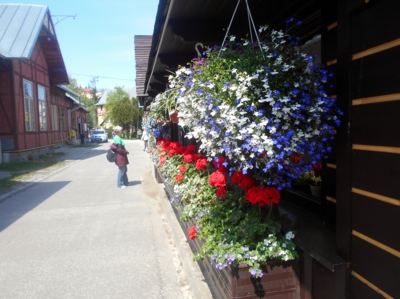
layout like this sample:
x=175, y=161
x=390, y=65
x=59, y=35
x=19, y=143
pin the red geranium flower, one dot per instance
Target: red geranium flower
x=254, y=195
x=247, y=182
x=274, y=195
x=180, y=150
x=162, y=140
x=188, y=158
x=166, y=144
x=190, y=149
x=263, y=195
x=201, y=163
x=192, y=233
x=179, y=178
x=237, y=177
x=217, y=179
x=172, y=152
x=162, y=159
x=296, y=158
x=221, y=192
x=175, y=145
x=182, y=168
x=317, y=167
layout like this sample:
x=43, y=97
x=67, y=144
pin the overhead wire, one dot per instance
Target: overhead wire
x=103, y=77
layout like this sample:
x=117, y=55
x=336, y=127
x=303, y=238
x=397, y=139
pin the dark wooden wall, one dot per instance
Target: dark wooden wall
x=367, y=166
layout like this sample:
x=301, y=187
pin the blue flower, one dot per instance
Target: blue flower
x=290, y=20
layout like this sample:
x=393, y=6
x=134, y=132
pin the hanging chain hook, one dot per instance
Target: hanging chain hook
x=254, y=28
x=197, y=49
x=229, y=28
x=251, y=28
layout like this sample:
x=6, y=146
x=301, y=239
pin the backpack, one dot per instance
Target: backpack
x=111, y=155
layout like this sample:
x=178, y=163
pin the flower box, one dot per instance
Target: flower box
x=157, y=175
x=280, y=280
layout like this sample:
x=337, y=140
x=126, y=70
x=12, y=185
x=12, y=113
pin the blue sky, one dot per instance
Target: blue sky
x=100, y=40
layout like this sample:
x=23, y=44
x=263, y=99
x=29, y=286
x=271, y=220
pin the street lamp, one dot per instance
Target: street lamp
x=63, y=17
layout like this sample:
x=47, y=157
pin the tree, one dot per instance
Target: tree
x=120, y=108
x=73, y=84
x=93, y=87
x=89, y=105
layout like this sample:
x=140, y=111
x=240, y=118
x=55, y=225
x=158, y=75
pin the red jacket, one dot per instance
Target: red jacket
x=122, y=158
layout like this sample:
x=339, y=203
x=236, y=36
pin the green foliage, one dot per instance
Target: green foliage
x=121, y=109
x=73, y=84
x=164, y=105
x=90, y=106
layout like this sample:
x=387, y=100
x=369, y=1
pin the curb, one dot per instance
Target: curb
x=197, y=281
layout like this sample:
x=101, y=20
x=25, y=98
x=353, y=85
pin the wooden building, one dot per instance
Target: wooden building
x=31, y=71
x=349, y=239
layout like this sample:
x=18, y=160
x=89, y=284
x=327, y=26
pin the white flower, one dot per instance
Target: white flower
x=289, y=235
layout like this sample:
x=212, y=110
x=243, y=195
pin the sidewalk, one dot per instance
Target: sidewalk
x=196, y=280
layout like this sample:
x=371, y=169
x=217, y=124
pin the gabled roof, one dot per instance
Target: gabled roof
x=21, y=27
x=103, y=99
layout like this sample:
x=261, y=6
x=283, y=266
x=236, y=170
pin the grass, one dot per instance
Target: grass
x=21, y=170
x=86, y=145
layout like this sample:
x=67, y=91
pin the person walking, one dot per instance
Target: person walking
x=121, y=159
x=145, y=138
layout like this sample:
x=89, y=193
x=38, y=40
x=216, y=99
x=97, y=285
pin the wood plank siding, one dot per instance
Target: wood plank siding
x=142, y=51
x=371, y=197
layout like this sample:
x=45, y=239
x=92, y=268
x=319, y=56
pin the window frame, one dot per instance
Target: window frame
x=29, y=106
x=42, y=108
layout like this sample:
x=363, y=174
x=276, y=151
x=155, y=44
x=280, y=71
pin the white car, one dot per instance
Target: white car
x=99, y=136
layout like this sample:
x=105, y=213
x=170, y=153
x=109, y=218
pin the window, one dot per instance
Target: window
x=29, y=106
x=61, y=113
x=42, y=108
x=54, y=117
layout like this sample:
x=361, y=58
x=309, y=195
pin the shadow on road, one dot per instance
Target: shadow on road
x=16, y=206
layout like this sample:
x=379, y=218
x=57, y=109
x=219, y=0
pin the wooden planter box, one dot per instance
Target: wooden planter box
x=157, y=175
x=281, y=280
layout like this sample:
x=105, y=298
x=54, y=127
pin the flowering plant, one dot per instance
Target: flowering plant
x=313, y=176
x=163, y=105
x=258, y=105
x=255, y=108
x=232, y=211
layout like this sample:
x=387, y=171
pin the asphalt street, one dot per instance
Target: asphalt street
x=69, y=232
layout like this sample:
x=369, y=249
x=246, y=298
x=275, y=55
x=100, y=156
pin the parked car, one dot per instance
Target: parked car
x=99, y=136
